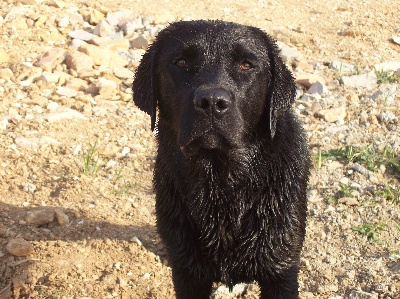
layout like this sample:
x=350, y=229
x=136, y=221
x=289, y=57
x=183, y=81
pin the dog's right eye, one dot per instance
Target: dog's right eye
x=181, y=63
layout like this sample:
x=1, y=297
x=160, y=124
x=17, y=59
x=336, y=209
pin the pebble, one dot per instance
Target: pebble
x=318, y=87
x=364, y=80
x=82, y=35
x=103, y=29
x=62, y=113
x=78, y=61
x=387, y=66
x=103, y=57
x=140, y=42
x=362, y=295
x=289, y=54
x=332, y=115
x=62, y=218
x=65, y=91
x=342, y=67
x=4, y=57
x=387, y=117
x=19, y=247
x=349, y=201
x=40, y=217
x=50, y=59
x=224, y=292
x=137, y=241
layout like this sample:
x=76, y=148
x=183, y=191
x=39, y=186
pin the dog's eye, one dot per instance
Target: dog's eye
x=245, y=66
x=181, y=63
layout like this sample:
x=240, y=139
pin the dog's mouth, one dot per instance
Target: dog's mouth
x=208, y=141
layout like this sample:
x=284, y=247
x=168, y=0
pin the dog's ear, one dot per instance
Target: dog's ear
x=145, y=84
x=282, y=89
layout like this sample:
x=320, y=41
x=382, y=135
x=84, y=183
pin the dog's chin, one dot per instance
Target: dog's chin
x=208, y=145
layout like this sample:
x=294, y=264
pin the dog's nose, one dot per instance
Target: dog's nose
x=215, y=101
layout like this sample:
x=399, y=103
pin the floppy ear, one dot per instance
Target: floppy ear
x=145, y=84
x=282, y=89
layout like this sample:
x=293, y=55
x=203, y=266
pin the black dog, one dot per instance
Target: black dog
x=232, y=164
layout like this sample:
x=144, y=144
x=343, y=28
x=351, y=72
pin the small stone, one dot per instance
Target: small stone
x=62, y=113
x=146, y=276
x=40, y=217
x=29, y=188
x=364, y=80
x=6, y=74
x=50, y=59
x=19, y=247
x=307, y=80
x=82, y=35
x=289, y=54
x=103, y=29
x=140, y=42
x=342, y=67
x=396, y=39
x=4, y=57
x=95, y=17
x=387, y=66
x=65, y=91
x=125, y=151
x=78, y=61
x=362, y=295
x=333, y=114
x=123, y=73
x=349, y=201
x=387, y=117
x=111, y=43
x=318, y=87
x=103, y=57
x=137, y=241
x=62, y=218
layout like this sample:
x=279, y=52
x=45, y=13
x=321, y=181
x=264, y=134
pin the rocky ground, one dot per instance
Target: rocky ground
x=76, y=202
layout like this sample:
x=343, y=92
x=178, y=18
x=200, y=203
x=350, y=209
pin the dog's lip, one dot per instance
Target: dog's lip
x=210, y=139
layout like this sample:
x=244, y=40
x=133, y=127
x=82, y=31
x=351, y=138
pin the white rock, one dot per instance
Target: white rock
x=125, y=151
x=137, y=241
x=364, y=80
x=62, y=113
x=343, y=67
x=387, y=117
x=65, y=91
x=76, y=19
x=103, y=57
x=105, y=82
x=63, y=21
x=123, y=73
x=52, y=106
x=289, y=54
x=76, y=43
x=103, y=29
x=362, y=295
x=82, y=34
x=78, y=61
x=387, y=66
x=223, y=291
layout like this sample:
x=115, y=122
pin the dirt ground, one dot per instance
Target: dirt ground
x=109, y=247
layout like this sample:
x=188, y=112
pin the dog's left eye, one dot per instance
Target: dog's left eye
x=181, y=63
x=245, y=66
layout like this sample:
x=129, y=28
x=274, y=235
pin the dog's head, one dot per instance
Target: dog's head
x=217, y=85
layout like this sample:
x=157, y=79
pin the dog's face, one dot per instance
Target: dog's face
x=217, y=84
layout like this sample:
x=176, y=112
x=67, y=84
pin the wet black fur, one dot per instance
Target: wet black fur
x=230, y=188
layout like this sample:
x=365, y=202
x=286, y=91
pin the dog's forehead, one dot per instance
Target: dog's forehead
x=207, y=34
